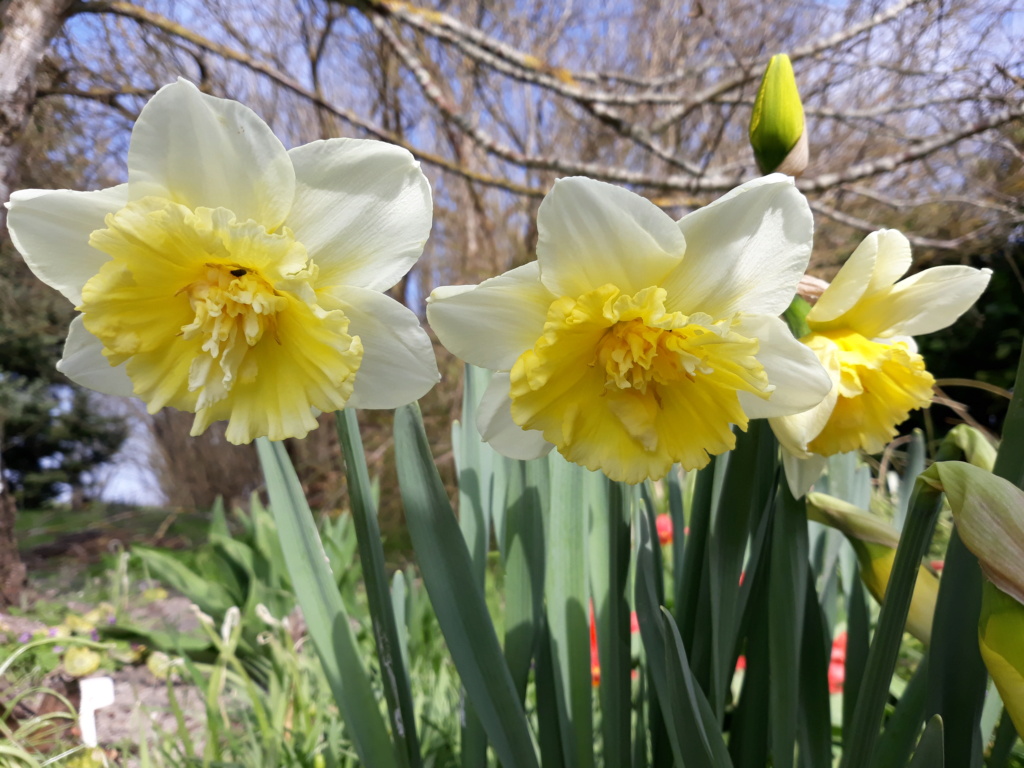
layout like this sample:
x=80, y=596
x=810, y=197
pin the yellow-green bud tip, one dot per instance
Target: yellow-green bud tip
x=777, y=124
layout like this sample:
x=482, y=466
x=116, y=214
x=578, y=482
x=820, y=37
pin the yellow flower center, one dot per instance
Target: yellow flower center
x=218, y=317
x=880, y=383
x=619, y=384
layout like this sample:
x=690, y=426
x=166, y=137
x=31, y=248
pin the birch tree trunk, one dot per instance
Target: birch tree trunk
x=26, y=28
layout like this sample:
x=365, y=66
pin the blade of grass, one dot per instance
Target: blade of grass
x=457, y=598
x=395, y=676
x=860, y=742
x=323, y=609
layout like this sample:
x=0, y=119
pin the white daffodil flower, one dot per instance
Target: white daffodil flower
x=234, y=279
x=634, y=341
x=861, y=331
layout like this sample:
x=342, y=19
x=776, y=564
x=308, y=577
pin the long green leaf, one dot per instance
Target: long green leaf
x=692, y=726
x=929, y=753
x=1010, y=460
x=748, y=736
x=859, y=743
x=748, y=484
x=323, y=609
x=956, y=689
x=902, y=728
x=786, y=592
x=814, y=725
x=1006, y=737
x=457, y=598
x=858, y=641
x=395, y=676
x=610, y=580
x=688, y=598
x=566, y=597
x=524, y=569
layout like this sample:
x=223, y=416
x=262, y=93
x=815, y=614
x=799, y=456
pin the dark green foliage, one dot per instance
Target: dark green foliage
x=51, y=433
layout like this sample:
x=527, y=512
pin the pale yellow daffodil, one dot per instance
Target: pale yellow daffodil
x=861, y=329
x=234, y=279
x=636, y=342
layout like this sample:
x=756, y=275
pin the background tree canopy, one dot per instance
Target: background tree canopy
x=914, y=116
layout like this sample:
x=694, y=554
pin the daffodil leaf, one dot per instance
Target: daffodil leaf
x=456, y=596
x=566, y=597
x=395, y=677
x=786, y=586
x=1010, y=461
x=692, y=727
x=901, y=729
x=814, y=726
x=858, y=641
x=748, y=736
x=929, y=752
x=610, y=582
x=860, y=739
x=323, y=608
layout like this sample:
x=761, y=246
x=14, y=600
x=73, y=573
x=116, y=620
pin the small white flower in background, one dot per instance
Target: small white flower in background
x=861, y=329
x=635, y=342
x=234, y=279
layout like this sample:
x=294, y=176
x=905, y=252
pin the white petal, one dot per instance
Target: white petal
x=490, y=325
x=591, y=234
x=796, y=430
x=362, y=209
x=801, y=474
x=51, y=230
x=880, y=260
x=922, y=303
x=494, y=422
x=84, y=363
x=202, y=151
x=800, y=381
x=398, y=364
x=745, y=252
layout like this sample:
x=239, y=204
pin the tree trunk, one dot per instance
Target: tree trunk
x=26, y=28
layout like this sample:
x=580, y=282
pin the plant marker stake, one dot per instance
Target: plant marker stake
x=97, y=692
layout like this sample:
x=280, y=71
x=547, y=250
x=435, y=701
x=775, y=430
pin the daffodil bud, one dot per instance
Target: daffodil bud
x=875, y=542
x=777, y=126
x=1000, y=628
x=986, y=510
